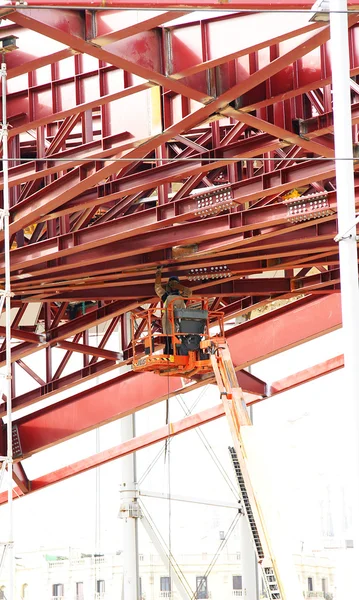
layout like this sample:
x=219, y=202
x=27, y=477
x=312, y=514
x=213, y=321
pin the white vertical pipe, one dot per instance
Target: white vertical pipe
x=130, y=590
x=98, y=495
x=129, y=524
x=348, y=261
x=6, y=207
x=248, y=553
x=248, y=561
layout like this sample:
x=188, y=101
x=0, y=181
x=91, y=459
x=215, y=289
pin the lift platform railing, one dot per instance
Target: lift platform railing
x=180, y=333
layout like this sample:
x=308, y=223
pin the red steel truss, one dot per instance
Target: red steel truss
x=199, y=141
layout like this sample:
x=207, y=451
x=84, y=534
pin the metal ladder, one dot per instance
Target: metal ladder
x=268, y=572
x=279, y=584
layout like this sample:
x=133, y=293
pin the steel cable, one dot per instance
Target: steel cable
x=219, y=550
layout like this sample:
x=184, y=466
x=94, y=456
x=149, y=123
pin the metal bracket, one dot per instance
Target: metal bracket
x=306, y=208
x=130, y=510
x=347, y=235
x=6, y=294
x=3, y=214
x=213, y=202
x=16, y=442
x=206, y=273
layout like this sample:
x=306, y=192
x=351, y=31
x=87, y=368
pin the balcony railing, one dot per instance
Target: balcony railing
x=315, y=595
x=165, y=594
x=99, y=560
x=237, y=593
x=57, y=564
x=78, y=562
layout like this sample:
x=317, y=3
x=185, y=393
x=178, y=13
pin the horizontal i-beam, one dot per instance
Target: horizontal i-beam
x=170, y=430
x=123, y=449
x=249, y=343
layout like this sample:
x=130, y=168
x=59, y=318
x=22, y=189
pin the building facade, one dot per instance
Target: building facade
x=72, y=575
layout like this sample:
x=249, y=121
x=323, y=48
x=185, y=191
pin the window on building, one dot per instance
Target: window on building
x=165, y=584
x=100, y=586
x=79, y=590
x=58, y=590
x=201, y=587
x=310, y=584
x=237, y=582
x=324, y=586
x=221, y=535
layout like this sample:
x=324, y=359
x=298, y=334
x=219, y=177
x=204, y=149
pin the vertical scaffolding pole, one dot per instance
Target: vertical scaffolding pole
x=248, y=561
x=6, y=219
x=129, y=509
x=339, y=41
x=129, y=513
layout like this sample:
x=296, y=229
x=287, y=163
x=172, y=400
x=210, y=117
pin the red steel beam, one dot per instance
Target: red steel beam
x=50, y=116
x=259, y=259
x=61, y=332
x=294, y=324
x=323, y=123
x=20, y=334
x=123, y=449
x=89, y=350
x=63, y=190
x=117, y=25
x=61, y=384
x=30, y=372
x=32, y=170
x=247, y=381
x=294, y=176
x=247, y=190
x=280, y=29
x=279, y=132
x=307, y=375
x=163, y=433
x=201, y=114
x=100, y=404
x=70, y=32
x=150, y=221
x=243, y=5
x=233, y=288
x=38, y=52
x=21, y=478
x=213, y=235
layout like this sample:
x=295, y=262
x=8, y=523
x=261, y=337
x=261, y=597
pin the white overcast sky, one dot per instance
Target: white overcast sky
x=299, y=436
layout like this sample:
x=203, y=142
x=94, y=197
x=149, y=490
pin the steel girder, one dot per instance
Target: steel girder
x=24, y=486
x=138, y=140
x=295, y=324
x=270, y=5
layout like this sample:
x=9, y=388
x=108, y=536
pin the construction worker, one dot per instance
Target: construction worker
x=172, y=294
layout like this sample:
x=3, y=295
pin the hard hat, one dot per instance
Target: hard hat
x=173, y=278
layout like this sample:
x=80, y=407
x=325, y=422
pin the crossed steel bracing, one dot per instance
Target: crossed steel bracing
x=199, y=141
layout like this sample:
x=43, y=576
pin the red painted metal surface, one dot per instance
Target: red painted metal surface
x=188, y=4
x=168, y=137
x=293, y=325
x=163, y=433
x=307, y=375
